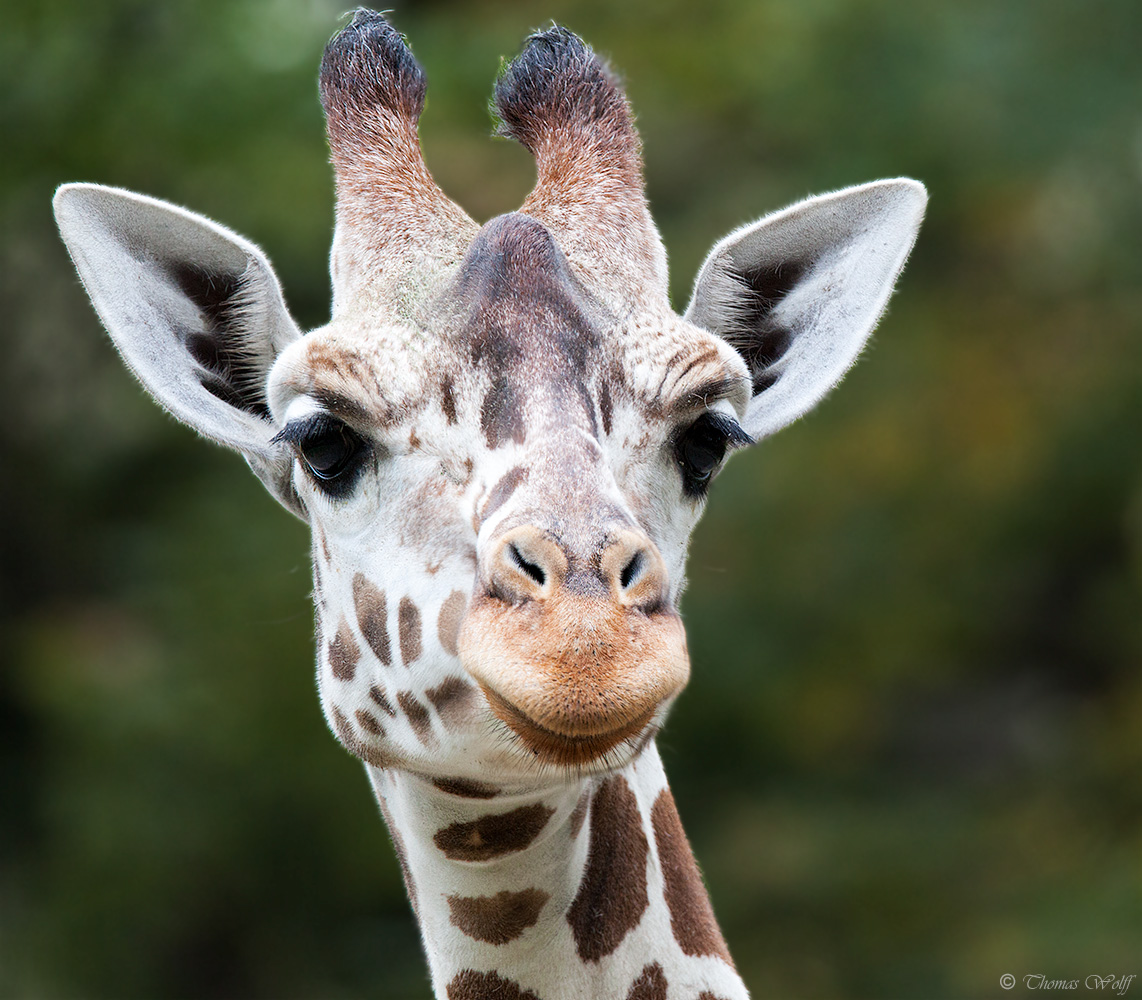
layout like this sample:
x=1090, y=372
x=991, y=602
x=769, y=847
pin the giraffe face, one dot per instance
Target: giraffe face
x=501, y=490
x=503, y=437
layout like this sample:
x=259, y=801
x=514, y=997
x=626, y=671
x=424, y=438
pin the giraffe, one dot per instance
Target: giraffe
x=502, y=440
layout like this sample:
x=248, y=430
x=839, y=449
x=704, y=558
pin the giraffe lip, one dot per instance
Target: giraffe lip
x=563, y=748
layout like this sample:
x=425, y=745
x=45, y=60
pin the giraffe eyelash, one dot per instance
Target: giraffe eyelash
x=700, y=449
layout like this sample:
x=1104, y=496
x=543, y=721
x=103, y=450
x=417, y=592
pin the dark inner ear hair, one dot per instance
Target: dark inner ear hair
x=756, y=335
x=232, y=368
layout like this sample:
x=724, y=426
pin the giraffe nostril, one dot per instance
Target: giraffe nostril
x=530, y=568
x=631, y=571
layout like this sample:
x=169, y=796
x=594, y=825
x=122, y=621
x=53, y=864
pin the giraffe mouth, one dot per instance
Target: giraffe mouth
x=577, y=681
x=564, y=749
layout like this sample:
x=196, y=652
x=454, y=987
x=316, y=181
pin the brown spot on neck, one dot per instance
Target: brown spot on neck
x=466, y=789
x=497, y=919
x=650, y=985
x=691, y=916
x=612, y=896
x=473, y=985
x=493, y=836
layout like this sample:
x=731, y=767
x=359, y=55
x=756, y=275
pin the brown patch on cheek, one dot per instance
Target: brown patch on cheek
x=691, y=916
x=372, y=617
x=493, y=836
x=466, y=789
x=497, y=919
x=377, y=693
x=453, y=700
x=418, y=716
x=472, y=985
x=368, y=722
x=650, y=985
x=408, y=622
x=707, y=995
x=343, y=653
x=449, y=620
x=612, y=896
x=356, y=746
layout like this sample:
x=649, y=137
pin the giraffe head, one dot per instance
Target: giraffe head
x=504, y=436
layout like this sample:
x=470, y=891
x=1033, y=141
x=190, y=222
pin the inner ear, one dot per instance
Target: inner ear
x=753, y=329
x=231, y=361
x=798, y=293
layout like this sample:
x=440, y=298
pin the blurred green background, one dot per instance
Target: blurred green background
x=910, y=759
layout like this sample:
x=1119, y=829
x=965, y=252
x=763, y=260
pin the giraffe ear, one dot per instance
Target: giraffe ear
x=798, y=293
x=195, y=310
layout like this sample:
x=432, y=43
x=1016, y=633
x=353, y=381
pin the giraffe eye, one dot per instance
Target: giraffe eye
x=331, y=452
x=701, y=447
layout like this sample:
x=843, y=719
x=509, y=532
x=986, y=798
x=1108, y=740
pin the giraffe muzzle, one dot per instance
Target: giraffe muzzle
x=575, y=656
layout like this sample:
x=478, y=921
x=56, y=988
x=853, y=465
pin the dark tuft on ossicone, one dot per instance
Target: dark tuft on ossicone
x=556, y=80
x=368, y=64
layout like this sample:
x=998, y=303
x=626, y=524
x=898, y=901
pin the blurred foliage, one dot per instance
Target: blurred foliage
x=909, y=756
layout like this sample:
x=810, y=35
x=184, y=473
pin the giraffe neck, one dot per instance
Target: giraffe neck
x=584, y=889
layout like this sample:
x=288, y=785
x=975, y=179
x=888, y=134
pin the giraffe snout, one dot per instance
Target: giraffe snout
x=578, y=650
